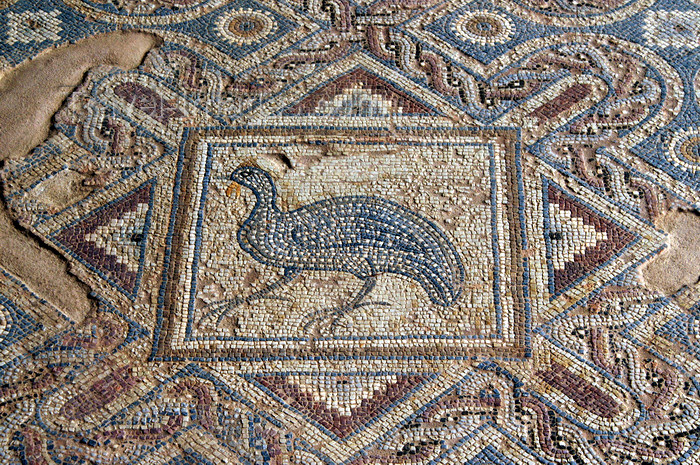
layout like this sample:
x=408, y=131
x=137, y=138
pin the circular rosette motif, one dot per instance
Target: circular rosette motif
x=483, y=27
x=672, y=28
x=245, y=26
x=684, y=150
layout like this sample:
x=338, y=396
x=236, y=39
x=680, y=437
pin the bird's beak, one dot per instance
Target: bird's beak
x=234, y=186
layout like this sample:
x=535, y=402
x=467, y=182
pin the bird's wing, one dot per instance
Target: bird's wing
x=389, y=236
x=417, y=248
x=343, y=227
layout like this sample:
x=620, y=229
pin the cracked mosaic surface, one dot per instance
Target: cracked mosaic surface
x=360, y=232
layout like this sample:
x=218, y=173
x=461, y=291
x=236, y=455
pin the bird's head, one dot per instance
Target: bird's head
x=251, y=177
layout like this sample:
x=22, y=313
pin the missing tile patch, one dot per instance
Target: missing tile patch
x=679, y=264
x=30, y=95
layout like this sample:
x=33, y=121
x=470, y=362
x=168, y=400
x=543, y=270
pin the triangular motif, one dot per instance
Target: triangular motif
x=15, y=324
x=683, y=329
x=579, y=239
x=112, y=239
x=489, y=456
x=341, y=404
x=678, y=329
x=359, y=93
x=580, y=236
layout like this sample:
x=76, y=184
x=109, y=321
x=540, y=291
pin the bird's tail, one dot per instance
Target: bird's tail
x=441, y=277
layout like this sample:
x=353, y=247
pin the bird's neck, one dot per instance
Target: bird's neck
x=265, y=203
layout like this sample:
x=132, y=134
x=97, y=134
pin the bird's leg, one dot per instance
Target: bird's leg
x=356, y=303
x=338, y=312
x=265, y=293
x=225, y=306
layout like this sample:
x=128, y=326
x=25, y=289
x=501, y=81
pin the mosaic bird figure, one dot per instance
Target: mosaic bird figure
x=361, y=235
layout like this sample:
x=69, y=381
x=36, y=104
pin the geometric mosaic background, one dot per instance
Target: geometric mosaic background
x=360, y=232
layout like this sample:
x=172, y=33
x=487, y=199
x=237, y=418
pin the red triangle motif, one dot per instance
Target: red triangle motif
x=401, y=102
x=617, y=240
x=341, y=425
x=110, y=240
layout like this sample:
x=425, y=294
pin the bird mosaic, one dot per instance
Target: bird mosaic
x=476, y=252
x=361, y=235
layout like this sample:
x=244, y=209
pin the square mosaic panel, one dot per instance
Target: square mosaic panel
x=455, y=208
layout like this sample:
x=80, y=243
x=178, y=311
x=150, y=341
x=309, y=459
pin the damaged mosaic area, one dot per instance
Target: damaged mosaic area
x=360, y=232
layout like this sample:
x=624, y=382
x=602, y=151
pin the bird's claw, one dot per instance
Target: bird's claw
x=310, y=320
x=337, y=313
x=365, y=304
x=275, y=297
x=223, y=307
x=221, y=310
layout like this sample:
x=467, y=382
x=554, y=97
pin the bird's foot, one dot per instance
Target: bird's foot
x=310, y=320
x=336, y=313
x=338, y=316
x=220, y=310
x=366, y=304
x=276, y=297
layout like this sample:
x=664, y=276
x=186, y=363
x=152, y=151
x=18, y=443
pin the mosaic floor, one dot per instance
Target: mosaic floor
x=361, y=232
